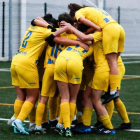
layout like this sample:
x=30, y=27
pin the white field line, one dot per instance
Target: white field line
x=3, y=119
x=131, y=75
x=5, y=69
x=133, y=130
x=127, y=58
x=131, y=62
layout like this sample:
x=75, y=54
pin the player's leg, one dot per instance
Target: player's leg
x=30, y=82
x=62, y=81
x=100, y=84
x=111, y=35
x=18, y=104
x=54, y=104
x=87, y=112
x=20, y=94
x=119, y=105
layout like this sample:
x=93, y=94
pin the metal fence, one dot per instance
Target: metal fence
x=129, y=19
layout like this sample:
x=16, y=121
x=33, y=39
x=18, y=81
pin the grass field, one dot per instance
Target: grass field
x=130, y=95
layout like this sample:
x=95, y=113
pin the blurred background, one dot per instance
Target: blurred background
x=16, y=16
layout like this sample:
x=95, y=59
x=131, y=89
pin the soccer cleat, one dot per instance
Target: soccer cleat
x=74, y=123
x=83, y=129
x=68, y=132
x=18, y=127
x=53, y=123
x=106, y=131
x=58, y=128
x=124, y=126
x=10, y=122
x=32, y=127
x=110, y=98
x=98, y=125
x=39, y=131
x=62, y=132
x=79, y=124
x=46, y=126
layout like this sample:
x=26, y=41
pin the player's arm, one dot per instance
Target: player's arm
x=79, y=34
x=69, y=42
x=42, y=23
x=39, y=22
x=89, y=23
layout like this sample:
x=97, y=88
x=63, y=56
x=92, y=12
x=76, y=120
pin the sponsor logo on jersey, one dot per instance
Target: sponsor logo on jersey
x=32, y=83
x=77, y=79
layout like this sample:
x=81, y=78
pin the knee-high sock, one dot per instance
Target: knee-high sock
x=106, y=121
x=58, y=106
x=122, y=111
x=110, y=108
x=25, y=110
x=60, y=121
x=39, y=113
x=53, y=107
x=32, y=115
x=17, y=107
x=44, y=118
x=80, y=117
x=65, y=112
x=72, y=111
x=87, y=114
x=113, y=82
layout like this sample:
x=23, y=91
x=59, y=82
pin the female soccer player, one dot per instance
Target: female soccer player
x=49, y=85
x=100, y=81
x=113, y=38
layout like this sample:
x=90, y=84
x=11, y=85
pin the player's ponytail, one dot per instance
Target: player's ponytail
x=73, y=7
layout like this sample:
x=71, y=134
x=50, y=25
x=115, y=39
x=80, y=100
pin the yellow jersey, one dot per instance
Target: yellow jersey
x=33, y=43
x=53, y=52
x=95, y=15
x=77, y=53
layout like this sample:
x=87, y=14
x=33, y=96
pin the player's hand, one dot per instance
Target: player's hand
x=84, y=46
x=65, y=24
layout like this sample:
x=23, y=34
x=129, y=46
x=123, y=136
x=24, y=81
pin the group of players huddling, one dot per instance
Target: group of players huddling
x=77, y=62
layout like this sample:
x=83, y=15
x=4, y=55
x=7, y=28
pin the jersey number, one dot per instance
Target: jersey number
x=56, y=50
x=24, y=43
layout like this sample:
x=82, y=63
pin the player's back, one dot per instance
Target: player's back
x=53, y=51
x=96, y=15
x=33, y=43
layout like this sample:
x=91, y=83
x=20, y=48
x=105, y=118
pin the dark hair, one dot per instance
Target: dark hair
x=82, y=27
x=51, y=20
x=65, y=17
x=73, y=7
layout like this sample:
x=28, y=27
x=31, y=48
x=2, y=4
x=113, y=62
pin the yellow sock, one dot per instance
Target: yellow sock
x=110, y=107
x=113, y=82
x=44, y=118
x=122, y=111
x=106, y=121
x=72, y=111
x=65, y=112
x=87, y=114
x=80, y=118
x=39, y=113
x=17, y=107
x=25, y=110
x=60, y=121
x=32, y=115
x=58, y=106
x=53, y=102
